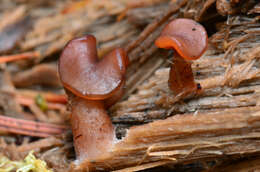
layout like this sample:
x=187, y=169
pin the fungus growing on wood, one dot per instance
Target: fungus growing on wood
x=190, y=40
x=96, y=84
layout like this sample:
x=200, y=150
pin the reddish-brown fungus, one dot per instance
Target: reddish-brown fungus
x=85, y=75
x=96, y=84
x=190, y=40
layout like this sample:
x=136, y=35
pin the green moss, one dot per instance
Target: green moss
x=41, y=102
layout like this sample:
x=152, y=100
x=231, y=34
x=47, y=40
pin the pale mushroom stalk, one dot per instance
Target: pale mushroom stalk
x=93, y=132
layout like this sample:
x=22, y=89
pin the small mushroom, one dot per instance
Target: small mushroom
x=190, y=41
x=96, y=84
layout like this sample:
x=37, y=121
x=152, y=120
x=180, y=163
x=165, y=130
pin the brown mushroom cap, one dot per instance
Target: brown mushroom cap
x=87, y=76
x=186, y=36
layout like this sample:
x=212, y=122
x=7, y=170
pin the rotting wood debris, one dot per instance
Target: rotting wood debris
x=206, y=132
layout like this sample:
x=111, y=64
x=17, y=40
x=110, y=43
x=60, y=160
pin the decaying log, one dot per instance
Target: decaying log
x=222, y=121
x=156, y=127
x=182, y=139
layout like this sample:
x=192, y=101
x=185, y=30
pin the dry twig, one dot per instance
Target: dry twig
x=11, y=58
x=30, y=128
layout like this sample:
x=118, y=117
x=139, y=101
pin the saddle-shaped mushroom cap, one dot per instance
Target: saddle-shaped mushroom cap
x=87, y=76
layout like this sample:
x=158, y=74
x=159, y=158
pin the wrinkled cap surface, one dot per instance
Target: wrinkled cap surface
x=186, y=36
x=87, y=76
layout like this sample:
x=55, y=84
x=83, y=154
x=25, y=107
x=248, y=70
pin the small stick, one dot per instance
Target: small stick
x=24, y=132
x=28, y=124
x=11, y=58
x=39, y=144
x=31, y=128
x=27, y=101
x=55, y=98
x=48, y=96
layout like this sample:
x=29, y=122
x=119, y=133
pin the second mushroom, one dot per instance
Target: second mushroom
x=190, y=40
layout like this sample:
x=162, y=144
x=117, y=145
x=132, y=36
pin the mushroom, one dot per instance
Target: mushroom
x=190, y=40
x=95, y=84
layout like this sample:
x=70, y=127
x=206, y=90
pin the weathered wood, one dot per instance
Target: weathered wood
x=223, y=120
x=182, y=139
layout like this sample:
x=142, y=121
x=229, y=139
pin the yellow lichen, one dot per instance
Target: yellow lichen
x=29, y=164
